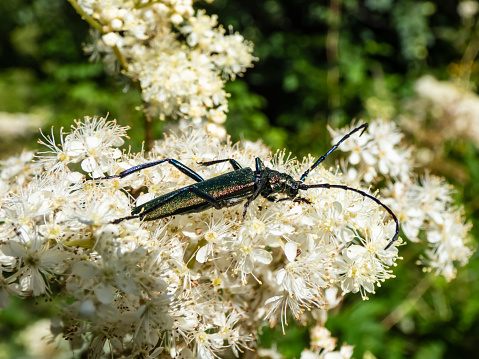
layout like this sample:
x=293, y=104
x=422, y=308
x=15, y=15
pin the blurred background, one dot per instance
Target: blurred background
x=320, y=63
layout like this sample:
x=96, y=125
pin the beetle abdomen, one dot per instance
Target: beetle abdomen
x=228, y=189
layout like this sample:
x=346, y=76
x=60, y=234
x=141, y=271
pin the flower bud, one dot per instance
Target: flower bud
x=110, y=39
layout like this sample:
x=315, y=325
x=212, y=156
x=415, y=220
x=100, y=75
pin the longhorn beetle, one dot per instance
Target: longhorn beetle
x=234, y=187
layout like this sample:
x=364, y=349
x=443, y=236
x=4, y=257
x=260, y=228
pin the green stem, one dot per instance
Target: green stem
x=470, y=54
x=95, y=24
x=85, y=16
x=408, y=304
x=121, y=59
x=148, y=131
x=332, y=43
x=143, y=5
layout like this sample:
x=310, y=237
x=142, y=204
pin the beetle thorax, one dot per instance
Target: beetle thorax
x=279, y=182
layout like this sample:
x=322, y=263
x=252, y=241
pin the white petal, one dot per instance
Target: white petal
x=433, y=236
x=369, y=158
x=37, y=283
x=185, y=354
x=355, y=251
x=368, y=286
x=117, y=141
x=87, y=308
x=273, y=299
x=248, y=265
x=436, y=217
x=262, y=256
x=74, y=148
x=202, y=254
x=383, y=167
x=127, y=284
x=74, y=177
x=84, y=270
x=92, y=142
x=348, y=285
x=13, y=249
x=354, y=158
x=89, y=164
x=144, y=198
x=338, y=207
x=291, y=249
x=105, y=293
x=116, y=153
x=280, y=276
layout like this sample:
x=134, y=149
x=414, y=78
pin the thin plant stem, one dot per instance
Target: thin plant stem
x=96, y=25
x=93, y=23
x=470, y=54
x=408, y=303
x=332, y=41
x=148, y=131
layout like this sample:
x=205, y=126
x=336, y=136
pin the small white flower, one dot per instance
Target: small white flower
x=110, y=39
x=37, y=261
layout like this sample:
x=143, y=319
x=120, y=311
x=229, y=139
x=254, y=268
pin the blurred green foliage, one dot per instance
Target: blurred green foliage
x=321, y=62
x=44, y=70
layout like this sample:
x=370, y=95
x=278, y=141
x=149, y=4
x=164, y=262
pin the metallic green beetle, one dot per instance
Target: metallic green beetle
x=232, y=188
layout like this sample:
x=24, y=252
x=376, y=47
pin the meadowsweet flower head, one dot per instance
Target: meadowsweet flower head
x=423, y=205
x=197, y=283
x=323, y=345
x=452, y=106
x=378, y=152
x=180, y=79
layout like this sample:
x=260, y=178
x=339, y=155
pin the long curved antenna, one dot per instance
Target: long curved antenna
x=346, y=188
x=322, y=158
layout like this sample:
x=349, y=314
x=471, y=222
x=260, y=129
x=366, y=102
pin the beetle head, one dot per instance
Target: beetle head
x=279, y=182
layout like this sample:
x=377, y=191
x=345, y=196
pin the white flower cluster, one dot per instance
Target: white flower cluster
x=25, y=123
x=188, y=285
x=424, y=206
x=456, y=109
x=427, y=214
x=322, y=347
x=377, y=153
x=180, y=58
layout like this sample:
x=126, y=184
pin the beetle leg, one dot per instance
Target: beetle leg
x=259, y=165
x=261, y=181
x=116, y=221
x=171, y=196
x=206, y=196
x=186, y=170
x=236, y=165
x=202, y=194
x=296, y=199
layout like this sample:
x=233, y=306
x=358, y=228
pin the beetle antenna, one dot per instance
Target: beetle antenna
x=322, y=158
x=346, y=188
x=101, y=178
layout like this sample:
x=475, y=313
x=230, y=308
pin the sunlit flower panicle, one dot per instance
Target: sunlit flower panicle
x=181, y=79
x=449, y=244
x=323, y=345
x=92, y=142
x=19, y=169
x=196, y=283
x=423, y=206
x=453, y=107
x=36, y=259
x=427, y=214
x=377, y=152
